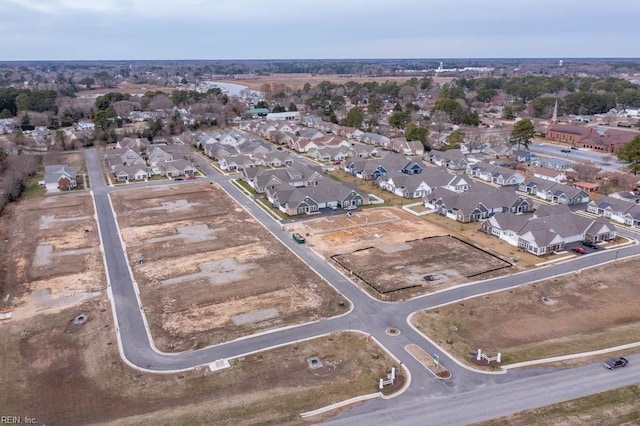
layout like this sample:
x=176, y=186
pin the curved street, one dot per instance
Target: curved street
x=467, y=397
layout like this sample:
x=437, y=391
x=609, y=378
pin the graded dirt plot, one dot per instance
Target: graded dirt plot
x=431, y=264
x=365, y=228
x=396, y=255
x=209, y=273
x=583, y=311
x=67, y=374
x=55, y=255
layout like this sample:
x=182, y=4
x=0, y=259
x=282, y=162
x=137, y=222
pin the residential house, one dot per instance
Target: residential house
x=452, y=159
x=479, y=202
x=523, y=156
x=59, y=177
x=588, y=187
x=555, y=193
x=375, y=139
x=548, y=230
x=633, y=197
x=275, y=159
x=132, y=172
x=136, y=144
x=327, y=193
x=549, y=174
x=618, y=210
x=404, y=185
x=235, y=162
x=123, y=157
x=557, y=164
x=495, y=174
x=262, y=179
x=177, y=168
x=329, y=153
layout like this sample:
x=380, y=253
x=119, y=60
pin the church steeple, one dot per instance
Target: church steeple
x=554, y=117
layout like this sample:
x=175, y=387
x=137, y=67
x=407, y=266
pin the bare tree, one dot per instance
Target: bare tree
x=160, y=102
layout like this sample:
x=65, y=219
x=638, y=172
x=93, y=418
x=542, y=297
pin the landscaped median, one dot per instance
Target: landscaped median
x=431, y=363
x=583, y=311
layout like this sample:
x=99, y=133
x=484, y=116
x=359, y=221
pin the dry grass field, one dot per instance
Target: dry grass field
x=209, y=273
x=587, y=310
x=67, y=374
x=297, y=81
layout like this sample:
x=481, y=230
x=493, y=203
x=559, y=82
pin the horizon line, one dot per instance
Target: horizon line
x=555, y=58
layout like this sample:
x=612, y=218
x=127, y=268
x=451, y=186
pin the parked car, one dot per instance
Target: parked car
x=590, y=244
x=579, y=250
x=565, y=150
x=178, y=178
x=615, y=363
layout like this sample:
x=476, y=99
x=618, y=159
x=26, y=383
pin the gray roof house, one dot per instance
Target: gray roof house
x=327, y=193
x=130, y=172
x=479, y=202
x=59, y=177
x=452, y=159
x=262, y=179
x=495, y=174
x=547, y=233
x=556, y=193
x=621, y=211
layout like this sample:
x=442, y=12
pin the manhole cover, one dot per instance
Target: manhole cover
x=80, y=319
x=314, y=362
x=391, y=331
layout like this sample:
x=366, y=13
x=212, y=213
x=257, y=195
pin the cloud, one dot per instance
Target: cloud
x=59, y=7
x=228, y=29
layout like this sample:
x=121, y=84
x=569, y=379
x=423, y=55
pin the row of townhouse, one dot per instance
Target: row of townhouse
x=135, y=159
x=479, y=202
x=300, y=189
x=235, y=152
x=553, y=192
x=548, y=230
x=618, y=210
x=419, y=185
x=495, y=174
x=312, y=135
x=373, y=168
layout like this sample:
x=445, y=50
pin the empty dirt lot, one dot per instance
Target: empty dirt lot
x=396, y=255
x=208, y=272
x=55, y=257
x=583, y=311
x=61, y=373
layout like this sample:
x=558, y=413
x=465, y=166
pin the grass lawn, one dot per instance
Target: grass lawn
x=33, y=189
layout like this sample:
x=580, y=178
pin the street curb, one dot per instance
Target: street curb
x=361, y=397
x=441, y=349
x=340, y=405
x=572, y=356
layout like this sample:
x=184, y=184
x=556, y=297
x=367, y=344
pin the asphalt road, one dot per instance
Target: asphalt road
x=459, y=400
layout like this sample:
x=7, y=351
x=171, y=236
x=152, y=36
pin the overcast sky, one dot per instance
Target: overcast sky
x=285, y=29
